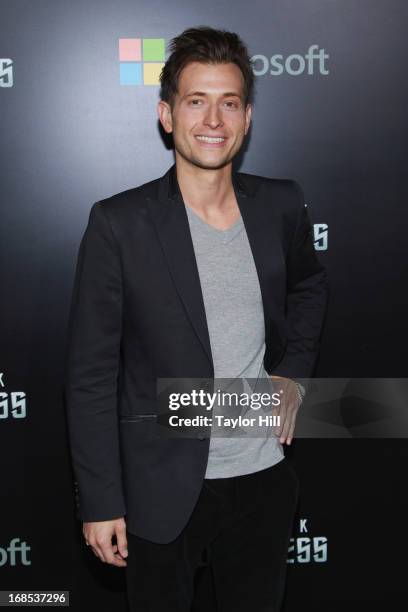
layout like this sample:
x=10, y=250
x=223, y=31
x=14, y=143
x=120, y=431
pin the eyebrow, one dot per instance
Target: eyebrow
x=224, y=95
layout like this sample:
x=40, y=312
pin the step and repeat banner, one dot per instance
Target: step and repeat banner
x=78, y=95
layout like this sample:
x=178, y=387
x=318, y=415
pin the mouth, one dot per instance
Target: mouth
x=211, y=141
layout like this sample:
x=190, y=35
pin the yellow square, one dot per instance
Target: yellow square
x=151, y=72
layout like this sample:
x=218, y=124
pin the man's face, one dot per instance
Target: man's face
x=209, y=104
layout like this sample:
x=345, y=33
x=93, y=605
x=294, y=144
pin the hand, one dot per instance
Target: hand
x=99, y=536
x=289, y=406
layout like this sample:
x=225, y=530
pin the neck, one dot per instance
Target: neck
x=204, y=189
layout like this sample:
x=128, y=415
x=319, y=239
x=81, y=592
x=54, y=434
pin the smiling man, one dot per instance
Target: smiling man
x=203, y=273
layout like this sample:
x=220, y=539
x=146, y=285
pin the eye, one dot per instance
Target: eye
x=231, y=104
x=195, y=100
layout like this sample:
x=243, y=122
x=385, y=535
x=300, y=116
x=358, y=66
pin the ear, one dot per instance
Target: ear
x=164, y=112
x=248, y=114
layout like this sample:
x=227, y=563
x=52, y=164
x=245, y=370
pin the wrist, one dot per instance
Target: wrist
x=300, y=388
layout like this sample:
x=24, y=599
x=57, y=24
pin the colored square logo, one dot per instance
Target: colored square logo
x=153, y=49
x=130, y=50
x=151, y=72
x=131, y=73
x=141, y=60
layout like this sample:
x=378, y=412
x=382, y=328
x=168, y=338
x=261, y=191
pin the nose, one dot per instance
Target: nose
x=213, y=117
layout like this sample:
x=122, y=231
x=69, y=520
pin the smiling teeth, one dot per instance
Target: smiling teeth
x=208, y=139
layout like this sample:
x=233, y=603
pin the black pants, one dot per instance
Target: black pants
x=244, y=524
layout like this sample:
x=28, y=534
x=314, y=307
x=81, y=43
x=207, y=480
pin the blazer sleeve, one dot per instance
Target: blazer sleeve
x=91, y=372
x=307, y=293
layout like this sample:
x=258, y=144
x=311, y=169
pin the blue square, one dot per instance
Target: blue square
x=131, y=73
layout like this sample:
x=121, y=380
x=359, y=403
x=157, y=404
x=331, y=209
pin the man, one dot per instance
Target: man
x=202, y=273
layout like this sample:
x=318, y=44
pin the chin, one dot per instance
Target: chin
x=215, y=165
x=209, y=164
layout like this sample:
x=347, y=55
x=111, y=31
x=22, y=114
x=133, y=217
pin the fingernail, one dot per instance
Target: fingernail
x=125, y=553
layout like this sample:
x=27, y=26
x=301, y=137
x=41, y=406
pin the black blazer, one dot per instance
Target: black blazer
x=137, y=313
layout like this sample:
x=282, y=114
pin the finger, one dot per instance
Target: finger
x=115, y=552
x=282, y=419
x=290, y=436
x=108, y=554
x=291, y=427
x=120, y=561
x=285, y=429
x=122, y=541
x=275, y=412
x=276, y=429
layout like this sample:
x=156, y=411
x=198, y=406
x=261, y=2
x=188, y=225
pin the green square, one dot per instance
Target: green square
x=153, y=49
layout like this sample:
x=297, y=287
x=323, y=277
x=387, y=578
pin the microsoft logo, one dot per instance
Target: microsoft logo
x=141, y=60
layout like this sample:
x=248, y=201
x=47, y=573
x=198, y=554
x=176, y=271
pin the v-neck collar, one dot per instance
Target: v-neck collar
x=222, y=232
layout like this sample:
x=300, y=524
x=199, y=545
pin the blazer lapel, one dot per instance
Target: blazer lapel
x=258, y=214
x=170, y=219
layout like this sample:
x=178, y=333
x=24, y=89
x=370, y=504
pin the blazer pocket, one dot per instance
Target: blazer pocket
x=136, y=417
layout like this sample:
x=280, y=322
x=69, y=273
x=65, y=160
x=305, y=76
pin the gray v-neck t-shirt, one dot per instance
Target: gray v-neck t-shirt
x=235, y=319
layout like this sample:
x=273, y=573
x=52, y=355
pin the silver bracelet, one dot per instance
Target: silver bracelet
x=301, y=391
